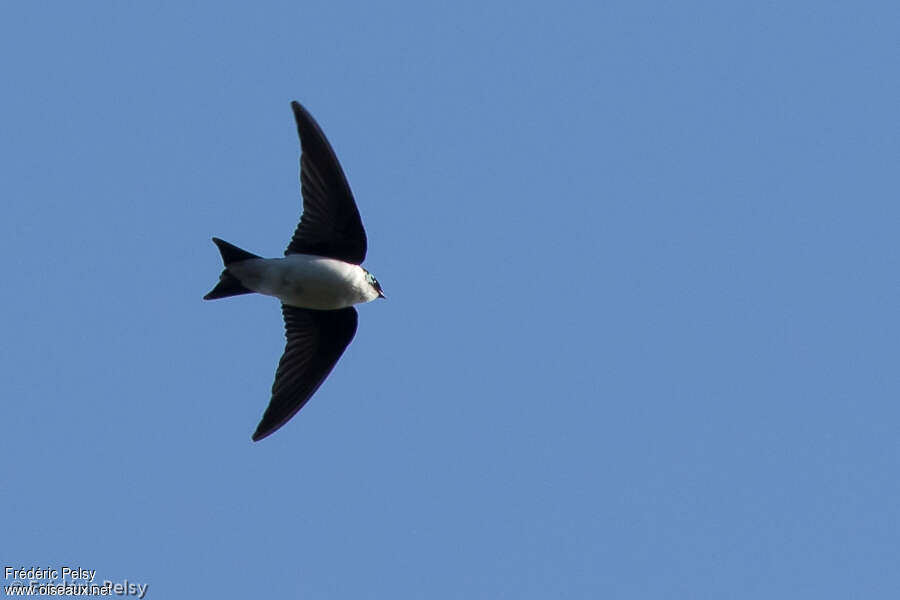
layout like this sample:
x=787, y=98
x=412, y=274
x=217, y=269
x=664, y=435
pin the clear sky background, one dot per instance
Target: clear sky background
x=641, y=337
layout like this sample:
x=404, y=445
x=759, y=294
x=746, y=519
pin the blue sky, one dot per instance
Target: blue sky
x=641, y=335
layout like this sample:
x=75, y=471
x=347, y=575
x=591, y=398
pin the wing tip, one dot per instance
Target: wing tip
x=300, y=112
x=261, y=434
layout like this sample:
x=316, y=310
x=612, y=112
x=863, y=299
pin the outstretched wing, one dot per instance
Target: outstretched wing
x=330, y=225
x=316, y=339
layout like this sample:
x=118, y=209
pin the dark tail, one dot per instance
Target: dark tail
x=229, y=285
x=231, y=253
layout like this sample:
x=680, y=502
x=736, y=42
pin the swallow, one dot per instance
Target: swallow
x=318, y=281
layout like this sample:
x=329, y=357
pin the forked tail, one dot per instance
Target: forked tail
x=229, y=285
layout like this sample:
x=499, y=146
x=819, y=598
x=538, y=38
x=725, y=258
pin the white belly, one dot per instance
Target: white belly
x=304, y=280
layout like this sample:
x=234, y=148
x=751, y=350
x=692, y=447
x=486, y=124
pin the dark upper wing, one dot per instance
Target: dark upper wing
x=330, y=225
x=315, y=341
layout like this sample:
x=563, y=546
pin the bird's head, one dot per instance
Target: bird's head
x=370, y=279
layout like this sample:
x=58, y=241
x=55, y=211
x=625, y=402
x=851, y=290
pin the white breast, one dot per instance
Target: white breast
x=306, y=281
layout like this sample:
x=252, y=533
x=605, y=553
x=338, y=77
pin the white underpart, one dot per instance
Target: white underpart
x=306, y=281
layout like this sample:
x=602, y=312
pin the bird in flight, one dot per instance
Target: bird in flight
x=318, y=281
